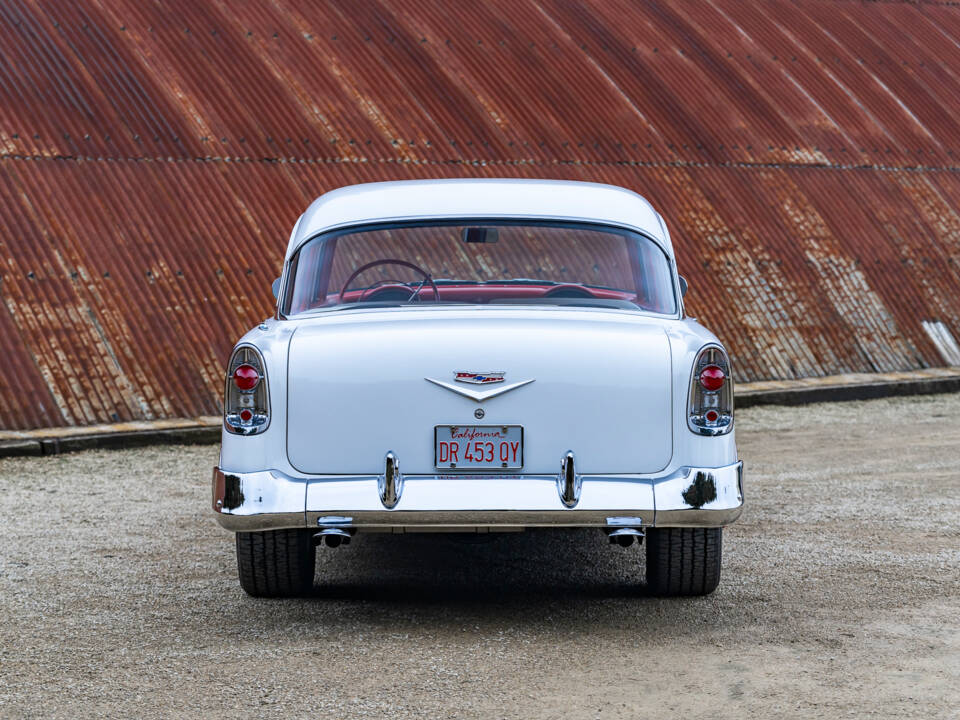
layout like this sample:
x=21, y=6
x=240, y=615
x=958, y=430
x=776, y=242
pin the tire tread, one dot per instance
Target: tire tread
x=683, y=561
x=276, y=563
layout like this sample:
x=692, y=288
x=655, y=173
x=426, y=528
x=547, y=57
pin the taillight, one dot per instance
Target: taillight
x=712, y=377
x=246, y=377
x=246, y=406
x=710, y=409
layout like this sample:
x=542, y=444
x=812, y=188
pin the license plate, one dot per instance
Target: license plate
x=478, y=446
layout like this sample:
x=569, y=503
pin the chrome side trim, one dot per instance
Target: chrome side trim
x=688, y=497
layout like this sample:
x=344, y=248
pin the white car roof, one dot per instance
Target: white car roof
x=480, y=198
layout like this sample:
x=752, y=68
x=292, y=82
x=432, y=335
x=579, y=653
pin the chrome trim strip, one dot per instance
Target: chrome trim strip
x=479, y=395
x=688, y=497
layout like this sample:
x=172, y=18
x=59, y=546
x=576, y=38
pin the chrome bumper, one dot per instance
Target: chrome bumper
x=269, y=500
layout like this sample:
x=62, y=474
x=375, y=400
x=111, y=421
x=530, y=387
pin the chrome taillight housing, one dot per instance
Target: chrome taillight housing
x=710, y=410
x=246, y=405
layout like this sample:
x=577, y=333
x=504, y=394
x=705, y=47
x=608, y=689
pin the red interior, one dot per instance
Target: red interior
x=467, y=293
x=313, y=269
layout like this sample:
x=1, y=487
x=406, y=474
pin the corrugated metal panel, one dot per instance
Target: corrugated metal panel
x=153, y=157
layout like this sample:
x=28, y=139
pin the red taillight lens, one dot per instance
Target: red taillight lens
x=246, y=377
x=712, y=378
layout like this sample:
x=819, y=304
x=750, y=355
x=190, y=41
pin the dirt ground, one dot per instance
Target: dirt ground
x=840, y=596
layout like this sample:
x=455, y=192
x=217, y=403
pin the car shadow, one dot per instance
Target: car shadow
x=552, y=582
x=475, y=569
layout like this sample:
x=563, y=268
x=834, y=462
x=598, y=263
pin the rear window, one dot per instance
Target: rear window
x=504, y=263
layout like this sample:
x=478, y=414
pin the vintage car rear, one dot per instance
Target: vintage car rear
x=478, y=356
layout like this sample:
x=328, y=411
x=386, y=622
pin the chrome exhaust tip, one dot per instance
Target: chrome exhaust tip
x=332, y=537
x=624, y=537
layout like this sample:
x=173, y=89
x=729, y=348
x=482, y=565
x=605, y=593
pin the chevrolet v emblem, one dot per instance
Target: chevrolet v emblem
x=479, y=395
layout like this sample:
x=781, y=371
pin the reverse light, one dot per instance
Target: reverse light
x=710, y=409
x=246, y=405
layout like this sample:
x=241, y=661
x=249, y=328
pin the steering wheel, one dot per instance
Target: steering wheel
x=386, y=290
x=392, y=261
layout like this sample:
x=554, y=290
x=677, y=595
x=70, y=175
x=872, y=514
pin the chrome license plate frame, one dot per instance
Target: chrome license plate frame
x=502, y=444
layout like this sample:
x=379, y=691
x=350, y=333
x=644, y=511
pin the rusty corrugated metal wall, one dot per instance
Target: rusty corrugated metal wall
x=154, y=155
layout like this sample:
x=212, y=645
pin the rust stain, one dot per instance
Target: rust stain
x=154, y=156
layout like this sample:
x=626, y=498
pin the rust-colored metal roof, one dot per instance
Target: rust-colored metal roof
x=154, y=156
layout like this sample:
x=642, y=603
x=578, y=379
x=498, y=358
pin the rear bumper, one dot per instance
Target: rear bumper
x=269, y=500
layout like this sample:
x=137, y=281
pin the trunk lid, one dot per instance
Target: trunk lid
x=601, y=387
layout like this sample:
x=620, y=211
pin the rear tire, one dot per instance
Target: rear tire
x=683, y=561
x=276, y=563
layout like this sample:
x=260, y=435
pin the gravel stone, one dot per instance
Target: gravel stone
x=840, y=596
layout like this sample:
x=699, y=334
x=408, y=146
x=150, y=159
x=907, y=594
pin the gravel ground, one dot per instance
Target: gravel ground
x=840, y=596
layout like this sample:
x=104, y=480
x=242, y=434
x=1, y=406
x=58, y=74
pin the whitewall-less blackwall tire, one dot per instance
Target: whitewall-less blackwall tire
x=276, y=563
x=683, y=561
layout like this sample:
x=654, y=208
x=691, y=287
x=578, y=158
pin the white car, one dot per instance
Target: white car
x=478, y=356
